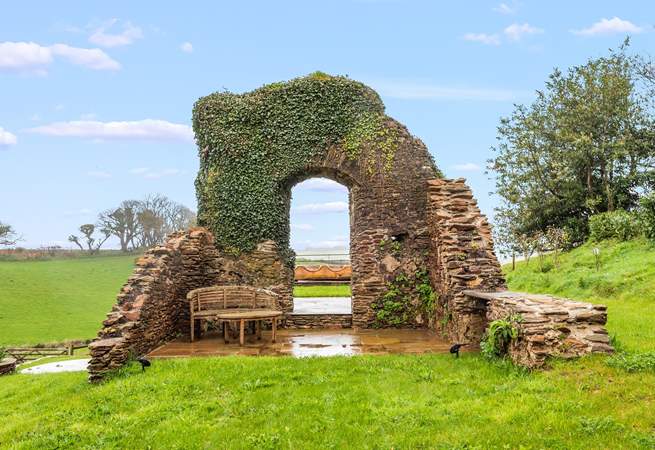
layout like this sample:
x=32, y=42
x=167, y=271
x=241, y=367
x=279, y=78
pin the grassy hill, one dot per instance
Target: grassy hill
x=59, y=299
x=625, y=283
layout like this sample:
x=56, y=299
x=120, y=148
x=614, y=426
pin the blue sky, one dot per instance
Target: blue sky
x=96, y=97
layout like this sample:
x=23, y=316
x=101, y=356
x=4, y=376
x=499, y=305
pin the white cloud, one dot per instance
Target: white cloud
x=318, y=208
x=321, y=184
x=35, y=118
x=408, y=90
x=186, y=47
x=88, y=116
x=6, y=138
x=24, y=56
x=161, y=173
x=103, y=38
x=487, y=39
x=33, y=58
x=302, y=226
x=609, y=26
x=98, y=174
x=515, y=31
x=467, y=167
x=92, y=58
x=59, y=107
x=150, y=174
x=504, y=8
x=147, y=129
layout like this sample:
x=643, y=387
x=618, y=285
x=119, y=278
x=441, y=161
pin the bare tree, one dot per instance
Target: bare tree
x=123, y=222
x=93, y=244
x=8, y=236
x=160, y=216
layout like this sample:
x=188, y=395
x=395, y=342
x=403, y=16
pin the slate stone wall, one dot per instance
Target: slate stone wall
x=152, y=309
x=462, y=257
x=549, y=326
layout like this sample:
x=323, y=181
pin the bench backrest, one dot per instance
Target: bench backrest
x=231, y=297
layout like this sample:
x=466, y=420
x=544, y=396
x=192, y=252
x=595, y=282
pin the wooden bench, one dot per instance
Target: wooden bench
x=227, y=304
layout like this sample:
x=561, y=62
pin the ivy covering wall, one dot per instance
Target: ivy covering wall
x=251, y=144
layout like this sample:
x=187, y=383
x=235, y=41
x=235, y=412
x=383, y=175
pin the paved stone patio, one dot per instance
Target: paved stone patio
x=319, y=342
x=322, y=305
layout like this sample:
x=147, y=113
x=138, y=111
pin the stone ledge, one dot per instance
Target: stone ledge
x=551, y=326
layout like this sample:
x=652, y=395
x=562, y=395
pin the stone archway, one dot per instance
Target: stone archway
x=421, y=250
x=265, y=141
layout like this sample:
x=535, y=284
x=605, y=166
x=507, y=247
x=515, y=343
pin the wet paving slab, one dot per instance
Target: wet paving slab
x=322, y=305
x=304, y=343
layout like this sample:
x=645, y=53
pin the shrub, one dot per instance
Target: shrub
x=499, y=335
x=620, y=224
x=646, y=215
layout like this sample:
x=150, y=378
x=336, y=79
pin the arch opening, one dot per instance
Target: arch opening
x=320, y=220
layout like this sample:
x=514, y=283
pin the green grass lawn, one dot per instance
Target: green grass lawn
x=60, y=299
x=428, y=401
x=338, y=290
x=625, y=283
x=381, y=401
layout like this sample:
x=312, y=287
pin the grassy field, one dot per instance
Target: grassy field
x=386, y=401
x=339, y=290
x=429, y=401
x=625, y=283
x=60, y=299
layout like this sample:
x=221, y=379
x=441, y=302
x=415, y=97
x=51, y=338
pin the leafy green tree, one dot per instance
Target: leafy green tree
x=585, y=145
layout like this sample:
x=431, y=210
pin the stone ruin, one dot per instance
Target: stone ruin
x=409, y=225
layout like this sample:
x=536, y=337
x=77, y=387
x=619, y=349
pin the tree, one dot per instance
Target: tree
x=586, y=145
x=92, y=244
x=123, y=222
x=8, y=236
x=160, y=216
x=145, y=223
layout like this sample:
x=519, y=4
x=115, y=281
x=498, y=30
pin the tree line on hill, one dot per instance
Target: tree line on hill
x=584, y=147
x=135, y=223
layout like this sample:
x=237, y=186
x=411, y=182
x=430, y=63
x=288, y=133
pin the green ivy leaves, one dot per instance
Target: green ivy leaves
x=252, y=144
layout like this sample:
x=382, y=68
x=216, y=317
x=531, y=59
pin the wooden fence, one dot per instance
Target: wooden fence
x=23, y=354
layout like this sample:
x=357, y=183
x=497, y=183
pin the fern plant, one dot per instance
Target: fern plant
x=499, y=335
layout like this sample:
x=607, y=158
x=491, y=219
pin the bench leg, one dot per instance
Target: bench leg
x=192, y=328
x=242, y=324
x=226, y=330
x=274, y=329
x=258, y=326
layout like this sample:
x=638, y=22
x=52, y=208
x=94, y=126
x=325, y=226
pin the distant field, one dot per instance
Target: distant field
x=339, y=290
x=60, y=299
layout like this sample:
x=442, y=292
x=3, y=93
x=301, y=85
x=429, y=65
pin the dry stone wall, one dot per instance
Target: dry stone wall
x=385, y=205
x=549, y=326
x=151, y=308
x=462, y=257
x=309, y=321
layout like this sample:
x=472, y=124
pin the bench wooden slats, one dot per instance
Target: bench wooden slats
x=234, y=303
